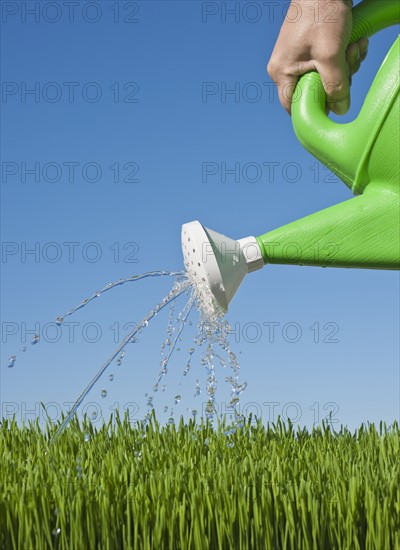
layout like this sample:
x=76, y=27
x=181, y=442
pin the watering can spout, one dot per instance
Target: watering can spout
x=218, y=263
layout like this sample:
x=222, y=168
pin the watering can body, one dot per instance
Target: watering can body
x=362, y=232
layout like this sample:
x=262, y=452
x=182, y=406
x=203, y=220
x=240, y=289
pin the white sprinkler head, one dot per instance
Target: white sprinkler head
x=218, y=263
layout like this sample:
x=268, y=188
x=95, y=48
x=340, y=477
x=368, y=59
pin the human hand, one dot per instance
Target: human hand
x=315, y=37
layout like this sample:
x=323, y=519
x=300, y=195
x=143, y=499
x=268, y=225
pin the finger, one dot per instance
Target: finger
x=286, y=88
x=363, y=45
x=353, y=58
x=353, y=53
x=287, y=80
x=335, y=79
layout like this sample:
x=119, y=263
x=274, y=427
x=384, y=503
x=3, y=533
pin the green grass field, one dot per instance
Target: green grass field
x=192, y=487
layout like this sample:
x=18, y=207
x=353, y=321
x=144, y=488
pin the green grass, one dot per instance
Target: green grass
x=184, y=487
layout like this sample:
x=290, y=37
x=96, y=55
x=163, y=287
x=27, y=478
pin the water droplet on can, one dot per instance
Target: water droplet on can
x=11, y=361
x=35, y=339
x=87, y=437
x=103, y=393
x=111, y=377
x=177, y=398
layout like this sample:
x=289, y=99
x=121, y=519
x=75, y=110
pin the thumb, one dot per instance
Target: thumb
x=335, y=77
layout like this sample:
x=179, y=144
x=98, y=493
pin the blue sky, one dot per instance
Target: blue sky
x=106, y=158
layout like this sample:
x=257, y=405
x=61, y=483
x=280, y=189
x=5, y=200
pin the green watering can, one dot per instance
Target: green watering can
x=362, y=232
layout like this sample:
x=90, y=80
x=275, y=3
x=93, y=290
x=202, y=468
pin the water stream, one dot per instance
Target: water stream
x=212, y=336
x=177, y=290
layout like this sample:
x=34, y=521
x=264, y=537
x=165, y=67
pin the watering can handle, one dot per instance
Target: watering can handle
x=372, y=16
x=324, y=138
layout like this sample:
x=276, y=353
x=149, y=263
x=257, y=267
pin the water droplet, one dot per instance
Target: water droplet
x=155, y=388
x=59, y=321
x=165, y=408
x=164, y=387
x=191, y=351
x=240, y=388
x=56, y=532
x=171, y=421
x=111, y=377
x=207, y=441
x=145, y=323
x=230, y=444
x=87, y=437
x=177, y=398
x=11, y=361
x=35, y=339
x=194, y=412
x=93, y=416
x=103, y=393
x=119, y=362
x=138, y=454
x=23, y=348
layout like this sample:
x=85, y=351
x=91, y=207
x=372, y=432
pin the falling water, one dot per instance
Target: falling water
x=178, y=289
x=212, y=336
x=213, y=333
